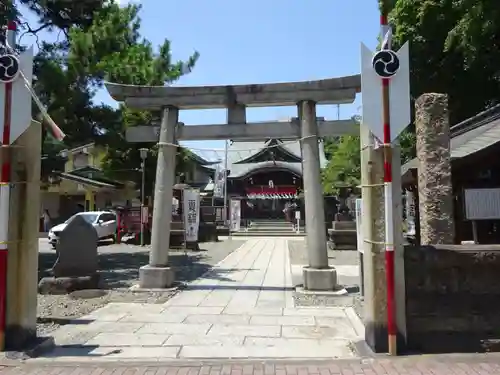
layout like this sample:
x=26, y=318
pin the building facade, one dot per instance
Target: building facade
x=265, y=176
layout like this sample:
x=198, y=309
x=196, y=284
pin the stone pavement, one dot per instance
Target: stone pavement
x=478, y=364
x=242, y=308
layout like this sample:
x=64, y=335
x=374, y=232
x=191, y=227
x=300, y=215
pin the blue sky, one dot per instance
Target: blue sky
x=262, y=41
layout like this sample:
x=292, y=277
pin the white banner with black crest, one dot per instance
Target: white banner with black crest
x=191, y=209
x=16, y=72
x=393, y=68
x=9, y=68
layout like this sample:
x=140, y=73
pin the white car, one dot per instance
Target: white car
x=104, y=223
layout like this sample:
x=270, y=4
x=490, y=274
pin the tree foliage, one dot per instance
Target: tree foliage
x=453, y=47
x=344, y=165
x=97, y=40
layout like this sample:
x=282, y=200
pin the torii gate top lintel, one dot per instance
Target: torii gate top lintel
x=327, y=91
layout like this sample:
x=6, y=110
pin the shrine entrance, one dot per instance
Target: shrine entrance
x=267, y=192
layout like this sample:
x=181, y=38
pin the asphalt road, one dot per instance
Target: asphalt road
x=104, y=247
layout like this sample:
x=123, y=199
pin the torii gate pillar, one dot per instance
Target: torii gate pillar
x=318, y=275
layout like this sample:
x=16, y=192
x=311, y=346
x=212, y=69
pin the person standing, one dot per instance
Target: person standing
x=46, y=220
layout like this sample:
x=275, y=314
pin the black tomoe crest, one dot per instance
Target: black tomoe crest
x=9, y=68
x=385, y=63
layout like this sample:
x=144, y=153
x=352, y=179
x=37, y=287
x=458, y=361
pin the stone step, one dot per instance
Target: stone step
x=268, y=234
x=288, y=225
x=270, y=224
x=272, y=229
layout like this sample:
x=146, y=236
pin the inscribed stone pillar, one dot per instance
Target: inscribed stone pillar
x=318, y=276
x=434, y=170
x=157, y=274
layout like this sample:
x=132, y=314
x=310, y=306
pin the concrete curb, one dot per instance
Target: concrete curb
x=14, y=358
x=360, y=345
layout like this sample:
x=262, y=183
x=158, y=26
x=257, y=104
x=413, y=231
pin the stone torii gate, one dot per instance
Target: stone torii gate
x=305, y=95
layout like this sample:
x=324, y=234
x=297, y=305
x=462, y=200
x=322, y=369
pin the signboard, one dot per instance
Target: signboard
x=482, y=204
x=297, y=215
x=359, y=227
x=395, y=67
x=191, y=209
x=410, y=214
x=144, y=215
x=235, y=212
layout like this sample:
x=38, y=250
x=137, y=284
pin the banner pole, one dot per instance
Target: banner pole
x=388, y=204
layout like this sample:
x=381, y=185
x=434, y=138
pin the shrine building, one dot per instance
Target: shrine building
x=266, y=175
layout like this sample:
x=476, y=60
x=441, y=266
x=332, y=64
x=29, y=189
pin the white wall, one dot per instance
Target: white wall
x=80, y=160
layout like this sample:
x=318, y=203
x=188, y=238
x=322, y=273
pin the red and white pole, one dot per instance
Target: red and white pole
x=5, y=172
x=388, y=205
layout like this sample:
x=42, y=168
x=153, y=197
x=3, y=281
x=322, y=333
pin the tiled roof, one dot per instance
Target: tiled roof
x=238, y=151
x=470, y=136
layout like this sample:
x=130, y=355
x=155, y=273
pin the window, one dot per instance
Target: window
x=89, y=218
x=107, y=217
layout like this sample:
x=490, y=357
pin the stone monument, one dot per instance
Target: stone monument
x=435, y=191
x=77, y=263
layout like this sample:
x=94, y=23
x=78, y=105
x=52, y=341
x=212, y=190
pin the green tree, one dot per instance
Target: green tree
x=344, y=165
x=344, y=159
x=98, y=40
x=453, y=47
x=113, y=49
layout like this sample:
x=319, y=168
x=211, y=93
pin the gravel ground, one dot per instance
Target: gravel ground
x=119, y=265
x=298, y=256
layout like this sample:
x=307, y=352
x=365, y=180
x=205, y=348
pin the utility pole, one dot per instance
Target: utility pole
x=385, y=80
x=144, y=154
x=225, y=183
x=5, y=175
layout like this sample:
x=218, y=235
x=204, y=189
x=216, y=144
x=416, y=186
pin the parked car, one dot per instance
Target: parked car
x=104, y=223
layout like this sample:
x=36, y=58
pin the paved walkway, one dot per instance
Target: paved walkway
x=419, y=365
x=243, y=308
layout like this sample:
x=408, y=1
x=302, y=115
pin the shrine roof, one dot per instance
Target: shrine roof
x=469, y=136
x=241, y=151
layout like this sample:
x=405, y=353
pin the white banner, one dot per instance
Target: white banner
x=410, y=214
x=191, y=209
x=235, y=212
x=219, y=182
x=359, y=227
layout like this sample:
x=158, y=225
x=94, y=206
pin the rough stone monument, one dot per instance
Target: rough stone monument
x=435, y=191
x=77, y=263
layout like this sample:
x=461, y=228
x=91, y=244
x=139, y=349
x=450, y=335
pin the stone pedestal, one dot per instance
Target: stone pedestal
x=434, y=170
x=319, y=279
x=151, y=277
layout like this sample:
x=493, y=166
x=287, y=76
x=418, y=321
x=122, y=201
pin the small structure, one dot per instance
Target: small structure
x=77, y=263
x=343, y=235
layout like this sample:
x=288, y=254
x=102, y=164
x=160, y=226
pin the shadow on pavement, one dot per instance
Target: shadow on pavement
x=121, y=269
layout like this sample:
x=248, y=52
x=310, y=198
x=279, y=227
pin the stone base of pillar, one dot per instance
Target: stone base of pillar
x=151, y=277
x=320, y=279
